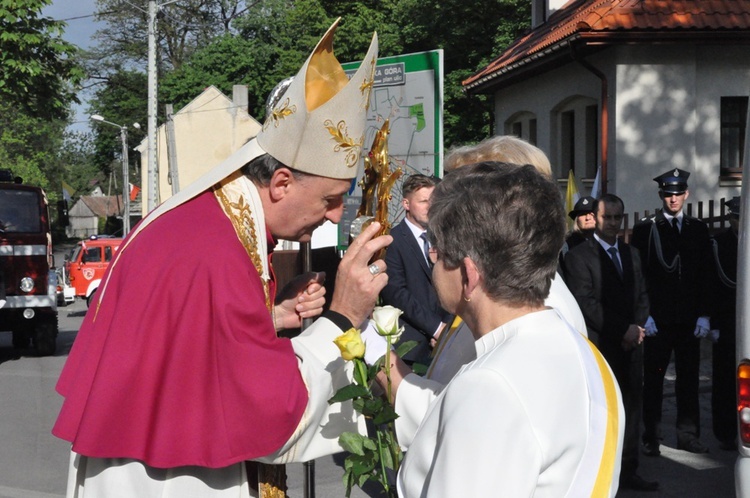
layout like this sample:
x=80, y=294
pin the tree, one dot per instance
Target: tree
x=121, y=100
x=268, y=41
x=469, y=43
x=182, y=28
x=37, y=68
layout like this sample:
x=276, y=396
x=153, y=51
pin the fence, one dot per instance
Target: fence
x=716, y=221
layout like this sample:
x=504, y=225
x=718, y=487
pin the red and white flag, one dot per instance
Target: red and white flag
x=134, y=190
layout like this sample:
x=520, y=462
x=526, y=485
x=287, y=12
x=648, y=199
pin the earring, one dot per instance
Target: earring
x=468, y=300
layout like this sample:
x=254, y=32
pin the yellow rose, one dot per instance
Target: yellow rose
x=386, y=321
x=351, y=345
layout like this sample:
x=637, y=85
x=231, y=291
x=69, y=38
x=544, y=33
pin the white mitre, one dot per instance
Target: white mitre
x=317, y=126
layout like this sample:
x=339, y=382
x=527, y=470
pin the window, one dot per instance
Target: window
x=575, y=137
x=733, y=124
x=522, y=125
x=92, y=255
x=567, y=142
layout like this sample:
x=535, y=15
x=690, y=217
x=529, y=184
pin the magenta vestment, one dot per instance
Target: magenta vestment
x=181, y=364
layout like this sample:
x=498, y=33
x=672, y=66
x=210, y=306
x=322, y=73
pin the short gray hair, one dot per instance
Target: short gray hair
x=508, y=219
x=261, y=169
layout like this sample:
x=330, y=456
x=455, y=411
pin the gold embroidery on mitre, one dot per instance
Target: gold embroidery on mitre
x=277, y=114
x=239, y=214
x=339, y=133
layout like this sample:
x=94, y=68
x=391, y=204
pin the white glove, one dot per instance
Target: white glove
x=714, y=335
x=650, y=327
x=702, y=327
x=375, y=344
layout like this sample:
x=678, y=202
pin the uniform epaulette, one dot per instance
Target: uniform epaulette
x=646, y=219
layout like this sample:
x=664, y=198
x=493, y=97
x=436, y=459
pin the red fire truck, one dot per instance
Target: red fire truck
x=87, y=265
x=28, y=282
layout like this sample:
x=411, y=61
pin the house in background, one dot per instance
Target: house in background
x=635, y=86
x=92, y=211
x=206, y=131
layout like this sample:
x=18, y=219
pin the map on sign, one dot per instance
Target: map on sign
x=408, y=90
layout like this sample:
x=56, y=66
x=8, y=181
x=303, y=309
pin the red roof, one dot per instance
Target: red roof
x=612, y=21
x=104, y=206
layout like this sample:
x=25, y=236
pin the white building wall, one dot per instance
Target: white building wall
x=541, y=96
x=668, y=116
x=664, y=112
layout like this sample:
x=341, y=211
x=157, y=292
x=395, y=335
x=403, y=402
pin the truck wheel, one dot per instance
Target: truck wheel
x=90, y=299
x=45, y=338
x=21, y=338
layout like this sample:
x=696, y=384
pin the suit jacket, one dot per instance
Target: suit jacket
x=677, y=286
x=610, y=304
x=410, y=289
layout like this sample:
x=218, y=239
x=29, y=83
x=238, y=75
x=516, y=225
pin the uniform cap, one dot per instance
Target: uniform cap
x=673, y=181
x=317, y=125
x=583, y=206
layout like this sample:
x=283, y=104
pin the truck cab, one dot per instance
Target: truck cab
x=87, y=265
x=28, y=281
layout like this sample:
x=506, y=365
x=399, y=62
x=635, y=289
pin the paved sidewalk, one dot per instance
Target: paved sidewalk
x=682, y=474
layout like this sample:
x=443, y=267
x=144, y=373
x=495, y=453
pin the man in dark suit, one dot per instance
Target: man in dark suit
x=723, y=320
x=604, y=274
x=409, y=271
x=676, y=255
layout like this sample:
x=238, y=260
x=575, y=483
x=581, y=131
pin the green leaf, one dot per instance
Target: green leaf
x=419, y=368
x=348, y=392
x=371, y=407
x=387, y=458
x=352, y=442
x=369, y=444
x=388, y=414
x=405, y=347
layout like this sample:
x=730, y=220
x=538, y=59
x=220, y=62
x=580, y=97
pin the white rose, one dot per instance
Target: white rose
x=386, y=322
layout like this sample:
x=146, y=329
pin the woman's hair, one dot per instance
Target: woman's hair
x=508, y=219
x=502, y=148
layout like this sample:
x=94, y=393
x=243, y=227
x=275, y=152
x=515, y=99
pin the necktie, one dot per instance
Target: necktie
x=613, y=252
x=426, y=247
x=675, y=227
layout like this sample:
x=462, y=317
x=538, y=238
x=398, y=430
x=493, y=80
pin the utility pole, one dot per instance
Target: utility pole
x=125, y=182
x=174, y=171
x=125, y=171
x=153, y=170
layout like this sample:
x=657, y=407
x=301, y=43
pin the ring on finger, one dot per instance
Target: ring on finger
x=374, y=269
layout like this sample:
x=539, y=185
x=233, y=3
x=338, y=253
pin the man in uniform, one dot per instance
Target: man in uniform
x=177, y=377
x=409, y=285
x=605, y=276
x=723, y=320
x=675, y=252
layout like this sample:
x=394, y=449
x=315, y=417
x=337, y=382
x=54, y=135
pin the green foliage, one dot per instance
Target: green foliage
x=268, y=41
x=369, y=456
x=121, y=101
x=469, y=42
x=37, y=68
x=29, y=144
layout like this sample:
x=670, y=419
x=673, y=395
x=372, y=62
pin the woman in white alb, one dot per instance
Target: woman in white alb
x=538, y=412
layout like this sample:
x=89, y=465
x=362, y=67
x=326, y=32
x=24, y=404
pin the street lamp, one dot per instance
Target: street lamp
x=125, y=174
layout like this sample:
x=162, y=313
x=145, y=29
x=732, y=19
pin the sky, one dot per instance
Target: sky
x=78, y=14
